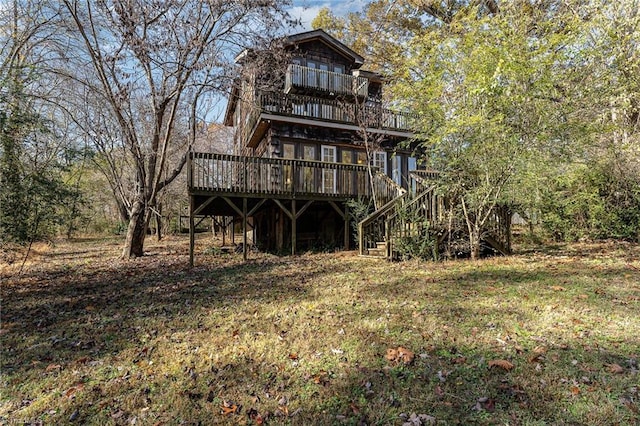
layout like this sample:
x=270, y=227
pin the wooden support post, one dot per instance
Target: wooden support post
x=293, y=227
x=244, y=229
x=346, y=226
x=192, y=237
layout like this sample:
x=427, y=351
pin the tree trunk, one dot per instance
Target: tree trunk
x=159, y=223
x=137, y=230
x=122, y=211
x=474, y=243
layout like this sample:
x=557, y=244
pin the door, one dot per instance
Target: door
x=338, y=79
x=396, y=168
x=329, y=175
x=412, y=164
x=312, y=75
x=324, y=76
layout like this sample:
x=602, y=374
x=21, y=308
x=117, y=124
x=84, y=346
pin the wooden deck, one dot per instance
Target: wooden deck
x=242, y=186
x=258, y=177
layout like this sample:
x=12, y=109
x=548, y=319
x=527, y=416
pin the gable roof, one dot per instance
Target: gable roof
x=322, y=36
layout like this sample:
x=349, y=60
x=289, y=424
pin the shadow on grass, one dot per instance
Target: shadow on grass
x=55, y=319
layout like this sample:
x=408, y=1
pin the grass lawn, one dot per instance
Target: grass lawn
x=544, y=337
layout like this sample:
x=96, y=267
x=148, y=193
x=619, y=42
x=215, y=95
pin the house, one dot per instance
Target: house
x=312, y=133
x=303, y=140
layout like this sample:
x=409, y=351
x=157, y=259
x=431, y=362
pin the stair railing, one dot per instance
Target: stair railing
x=414, y=218
x=371, y=229
x=385, y=189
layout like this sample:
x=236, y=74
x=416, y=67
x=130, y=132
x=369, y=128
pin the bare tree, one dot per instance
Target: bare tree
x=151, y=66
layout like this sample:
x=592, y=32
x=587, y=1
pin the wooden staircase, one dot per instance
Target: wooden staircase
x=418, y=213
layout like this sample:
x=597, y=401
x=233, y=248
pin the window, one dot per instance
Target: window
x=309, y=152
x=307, y=172
x=288, y=150
x=328, y=175
x=347, y=177
x=380, y=161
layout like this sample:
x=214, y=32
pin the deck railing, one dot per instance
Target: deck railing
x=371, y=116
x=329, y=110
x=223, y=173
x=335, y=83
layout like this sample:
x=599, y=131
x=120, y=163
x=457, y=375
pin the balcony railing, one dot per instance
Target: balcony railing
x=368, y=116
x=299, y=77
x=371, y=116
x=222, y=173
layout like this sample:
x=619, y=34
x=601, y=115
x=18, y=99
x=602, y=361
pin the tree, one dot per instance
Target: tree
x=151, y=67
x=33, y=192
x=488, y=88
x=515, y=95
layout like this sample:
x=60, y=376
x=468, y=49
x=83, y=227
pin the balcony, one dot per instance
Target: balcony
x=372, y=117
x=305, y=79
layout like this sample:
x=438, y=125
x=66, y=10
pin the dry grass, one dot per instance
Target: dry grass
x=546, y=337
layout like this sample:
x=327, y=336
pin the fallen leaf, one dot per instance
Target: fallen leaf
x=614, y=368
x=73, y=389
x=82, y=360
x=320, y=378
x=540, y=350
x=400, y=355
x=74, y=416
x=117, y=414
x=284, y=410
x=52, y=367
x=575, y=390
x=229, y=408
x=558, y=288
x=392, y=354
x=405, y=355
x=293, y=356
x=438, y=390
x=255, y=416
x=501, y=363
x=629, y=404
x=536, y=358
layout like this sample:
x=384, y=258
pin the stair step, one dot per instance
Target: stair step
x=381, y=245
x=378, y=252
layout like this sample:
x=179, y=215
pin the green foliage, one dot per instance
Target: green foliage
x=589, y=202
x=415, y=239
x=33, y=193
x=359, y=209
x=512, y=95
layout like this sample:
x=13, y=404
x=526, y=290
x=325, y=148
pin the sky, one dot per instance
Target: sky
x=306, y=10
